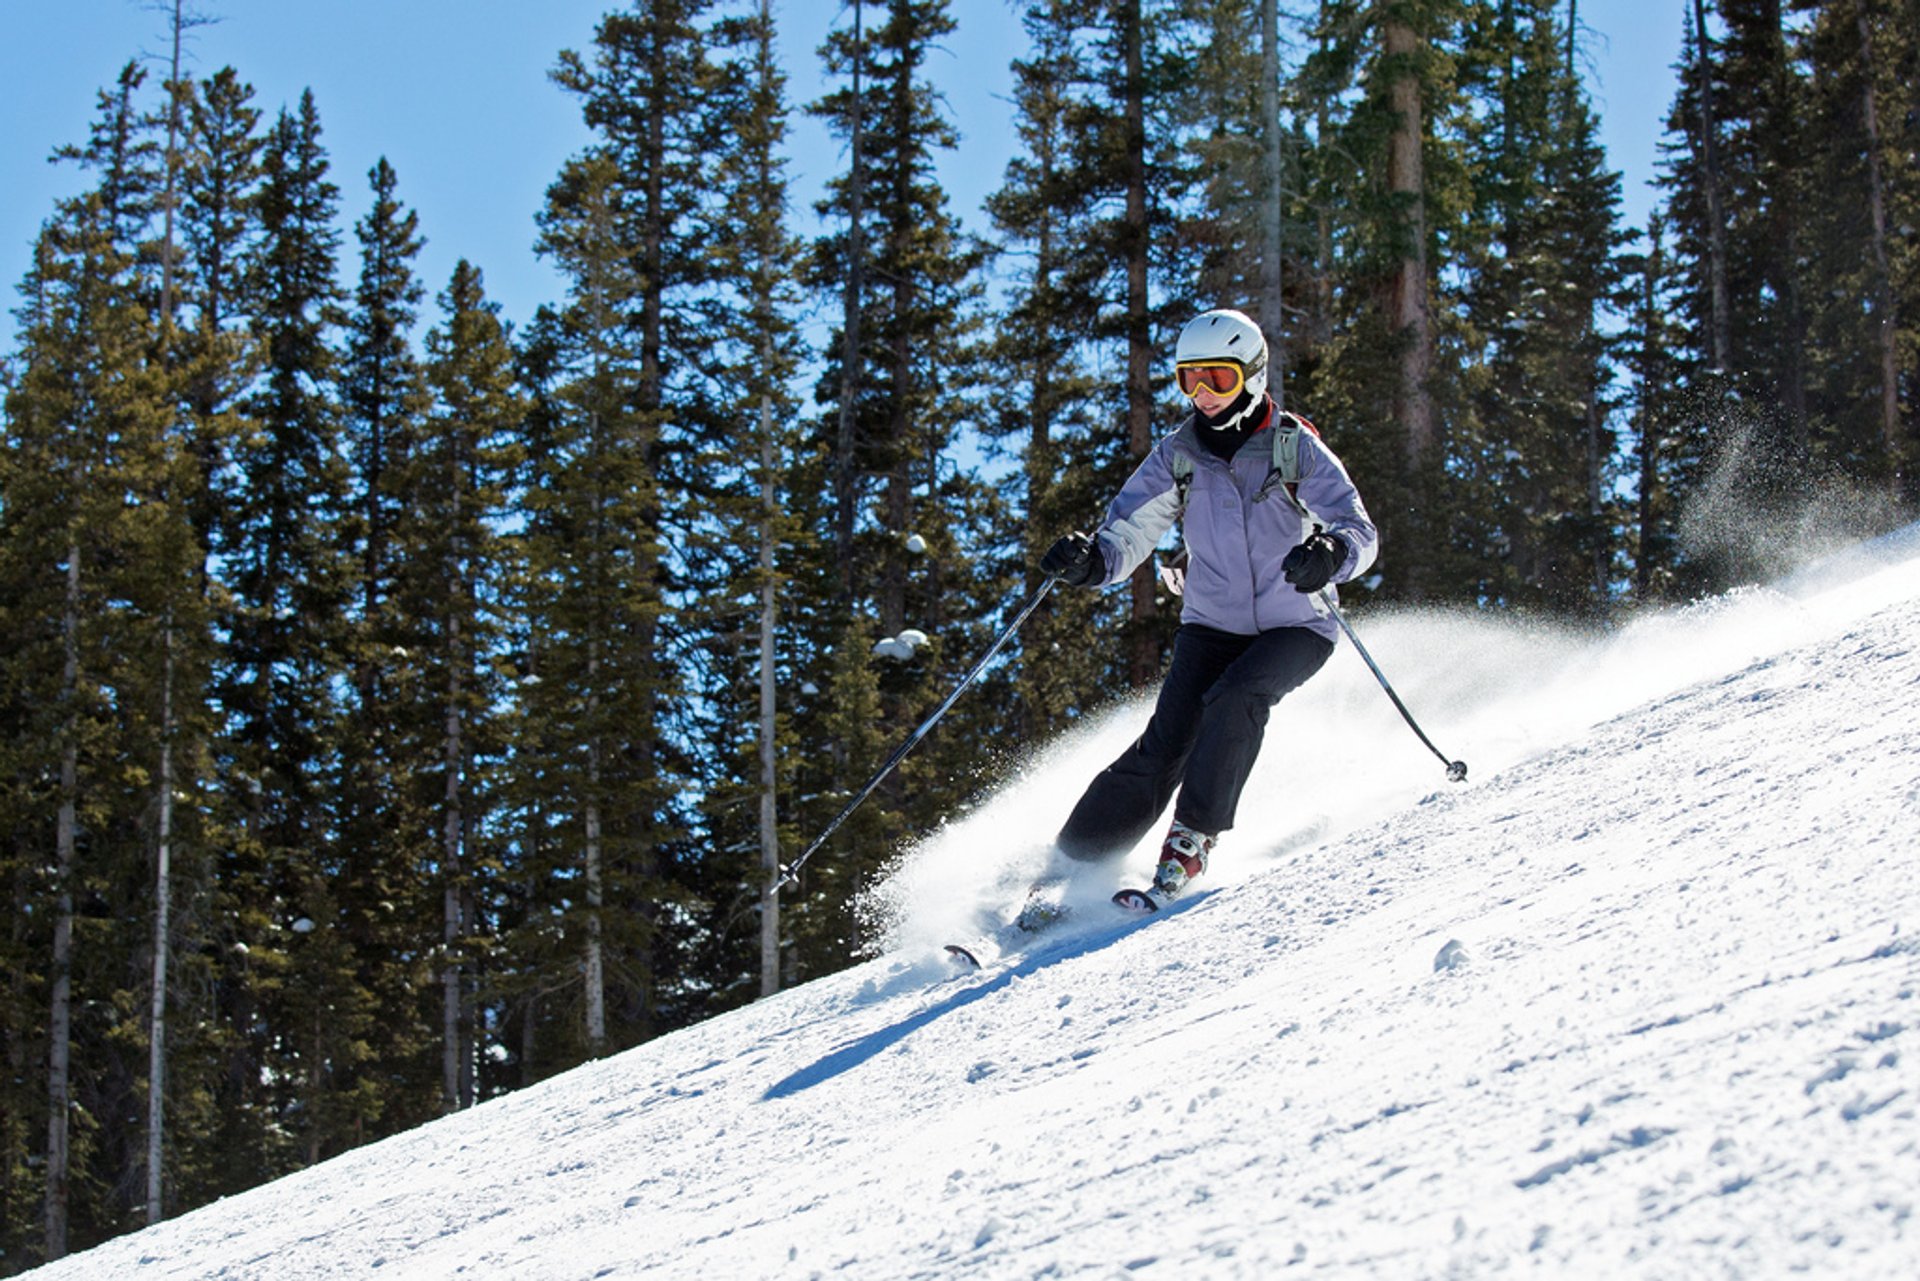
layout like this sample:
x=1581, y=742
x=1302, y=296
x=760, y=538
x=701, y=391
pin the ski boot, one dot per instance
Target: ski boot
x=1045, y=907
x=1183, y=856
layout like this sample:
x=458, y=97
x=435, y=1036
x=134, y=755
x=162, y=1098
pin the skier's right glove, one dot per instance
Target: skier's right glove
x=1074, y=560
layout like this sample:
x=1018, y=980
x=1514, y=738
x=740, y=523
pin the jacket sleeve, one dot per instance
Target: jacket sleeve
x=1328, y=493
x=1139, y=516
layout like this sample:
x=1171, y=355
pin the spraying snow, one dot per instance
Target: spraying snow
x=1337, y=756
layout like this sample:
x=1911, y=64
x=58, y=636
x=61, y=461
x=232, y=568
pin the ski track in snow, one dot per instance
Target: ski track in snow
x=1676, y=1036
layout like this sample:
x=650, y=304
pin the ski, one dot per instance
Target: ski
x=1041, y=915
x=964, y=956
x=1006, y=938
x=1022, y=931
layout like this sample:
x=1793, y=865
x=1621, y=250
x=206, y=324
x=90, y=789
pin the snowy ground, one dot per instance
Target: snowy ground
x=1679, y=1038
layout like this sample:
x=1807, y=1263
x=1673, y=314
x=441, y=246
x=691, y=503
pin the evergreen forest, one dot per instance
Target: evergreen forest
x=399, y=707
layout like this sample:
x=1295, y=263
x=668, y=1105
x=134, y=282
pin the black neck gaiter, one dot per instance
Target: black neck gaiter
x=1224, y=442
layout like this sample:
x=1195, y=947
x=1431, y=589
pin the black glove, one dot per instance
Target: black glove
x=1074, y=560
x=1310, y=566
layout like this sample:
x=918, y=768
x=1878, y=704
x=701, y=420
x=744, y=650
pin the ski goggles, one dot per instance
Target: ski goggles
x=1221, y=377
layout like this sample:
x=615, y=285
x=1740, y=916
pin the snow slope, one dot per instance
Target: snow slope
x=1678, y=1035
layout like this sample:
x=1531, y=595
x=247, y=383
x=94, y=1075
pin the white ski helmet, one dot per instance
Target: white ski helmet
x=1225, y=334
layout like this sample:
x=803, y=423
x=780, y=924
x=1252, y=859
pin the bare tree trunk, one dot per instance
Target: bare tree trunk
x=1320, y=323
x=899, y=487
x=764, y=307
x=453, y=926
x=170, y=162
x=14, y=1107
x=1780, y=153
x=529, y=1038
x=1144, y=661
x=162, y=945
x=163, y=857
x=851, y=364
x=595, y=961
x=1649, y=424
x=1720, y=307
x=534, y=838
x=1408, y=315
x=1272, y=314
x=1885, y=306
x=769, y=814
x=60, y=1016
x=1596, y=420
x=1596, y=498
x=456, y=1061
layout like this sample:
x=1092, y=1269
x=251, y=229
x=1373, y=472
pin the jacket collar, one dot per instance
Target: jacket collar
x=1186, y=437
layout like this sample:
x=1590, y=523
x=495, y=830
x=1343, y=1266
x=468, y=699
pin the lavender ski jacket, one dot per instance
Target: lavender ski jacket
x=1239, y=526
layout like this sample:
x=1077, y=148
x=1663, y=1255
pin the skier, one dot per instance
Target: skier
x=1266, y=528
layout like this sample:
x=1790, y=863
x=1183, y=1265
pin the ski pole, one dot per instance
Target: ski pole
x=1456, y=770
x=792, y=870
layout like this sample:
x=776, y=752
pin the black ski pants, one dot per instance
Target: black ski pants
x=1202, y=740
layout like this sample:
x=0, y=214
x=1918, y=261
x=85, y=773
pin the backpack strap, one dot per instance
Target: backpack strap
x=1182, y=466
x=1284, y=472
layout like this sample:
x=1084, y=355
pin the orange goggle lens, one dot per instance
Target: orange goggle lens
x=1223, y=378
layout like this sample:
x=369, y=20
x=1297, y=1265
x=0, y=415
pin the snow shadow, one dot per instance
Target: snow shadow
x=1077, y=943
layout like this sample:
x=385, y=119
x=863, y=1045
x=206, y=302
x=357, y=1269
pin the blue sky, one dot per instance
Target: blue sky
x=455, y=94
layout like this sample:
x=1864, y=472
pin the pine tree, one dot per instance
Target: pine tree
x=386, y=843
x=1222, y=101
x=1765, y=112
x=458, y=481
x=832, y=636
x=1651, y=343
x=218, y=355
x=540, y=932
x=593, y=548
x=381, y=389
x=277, y=689
x=1049, y=407
x=215, y=357
x=1802, y=411
x=91, y=549
x=1861, y=320
x=1138, y=73
x=1706, y=131
x=662, y=109
x=905, y=282
x=1388, y=175
x=1536, y=450
x=1693, y=214
x=738, y=560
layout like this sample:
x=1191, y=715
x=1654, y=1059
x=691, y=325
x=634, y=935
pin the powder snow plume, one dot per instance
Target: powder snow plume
x=1489, y=690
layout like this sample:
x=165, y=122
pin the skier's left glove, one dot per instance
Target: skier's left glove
x=1311, y=565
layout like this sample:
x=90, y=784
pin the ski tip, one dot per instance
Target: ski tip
x=1135, y=901
x=963, y=956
